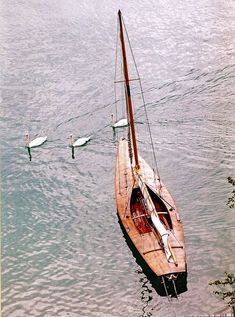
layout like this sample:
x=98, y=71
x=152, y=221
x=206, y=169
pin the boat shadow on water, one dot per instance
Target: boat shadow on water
x=167, y=290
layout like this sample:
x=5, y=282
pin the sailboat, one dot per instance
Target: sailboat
x=146, y=210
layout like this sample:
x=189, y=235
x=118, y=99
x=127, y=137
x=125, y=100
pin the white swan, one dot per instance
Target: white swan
x=120, y=123
x=34, y=143
x=79, y=141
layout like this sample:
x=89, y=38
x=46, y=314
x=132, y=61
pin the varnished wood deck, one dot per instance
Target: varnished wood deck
x=146, y=241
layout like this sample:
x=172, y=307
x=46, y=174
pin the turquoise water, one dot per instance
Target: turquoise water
x=63, y=251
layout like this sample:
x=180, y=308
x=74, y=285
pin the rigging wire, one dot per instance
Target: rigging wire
x=115, y=73
x=115, y=84
x=144, y=104
x=122, y=90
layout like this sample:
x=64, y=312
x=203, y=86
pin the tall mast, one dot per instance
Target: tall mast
x=128, y=93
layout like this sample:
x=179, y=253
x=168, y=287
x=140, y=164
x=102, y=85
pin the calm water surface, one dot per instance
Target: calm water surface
x=63, y=252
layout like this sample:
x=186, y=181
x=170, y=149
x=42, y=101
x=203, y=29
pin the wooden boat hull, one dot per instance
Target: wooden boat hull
x=156, y=282
x=137, y=224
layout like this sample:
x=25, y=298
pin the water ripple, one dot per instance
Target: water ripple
x=63, y=252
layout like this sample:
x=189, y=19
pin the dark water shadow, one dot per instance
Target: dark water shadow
x=29, y=152
x=146, y=296
x=162, y=290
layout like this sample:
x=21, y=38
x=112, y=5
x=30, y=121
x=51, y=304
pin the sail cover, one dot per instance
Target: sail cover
x=154, y=217
x=164, y=235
